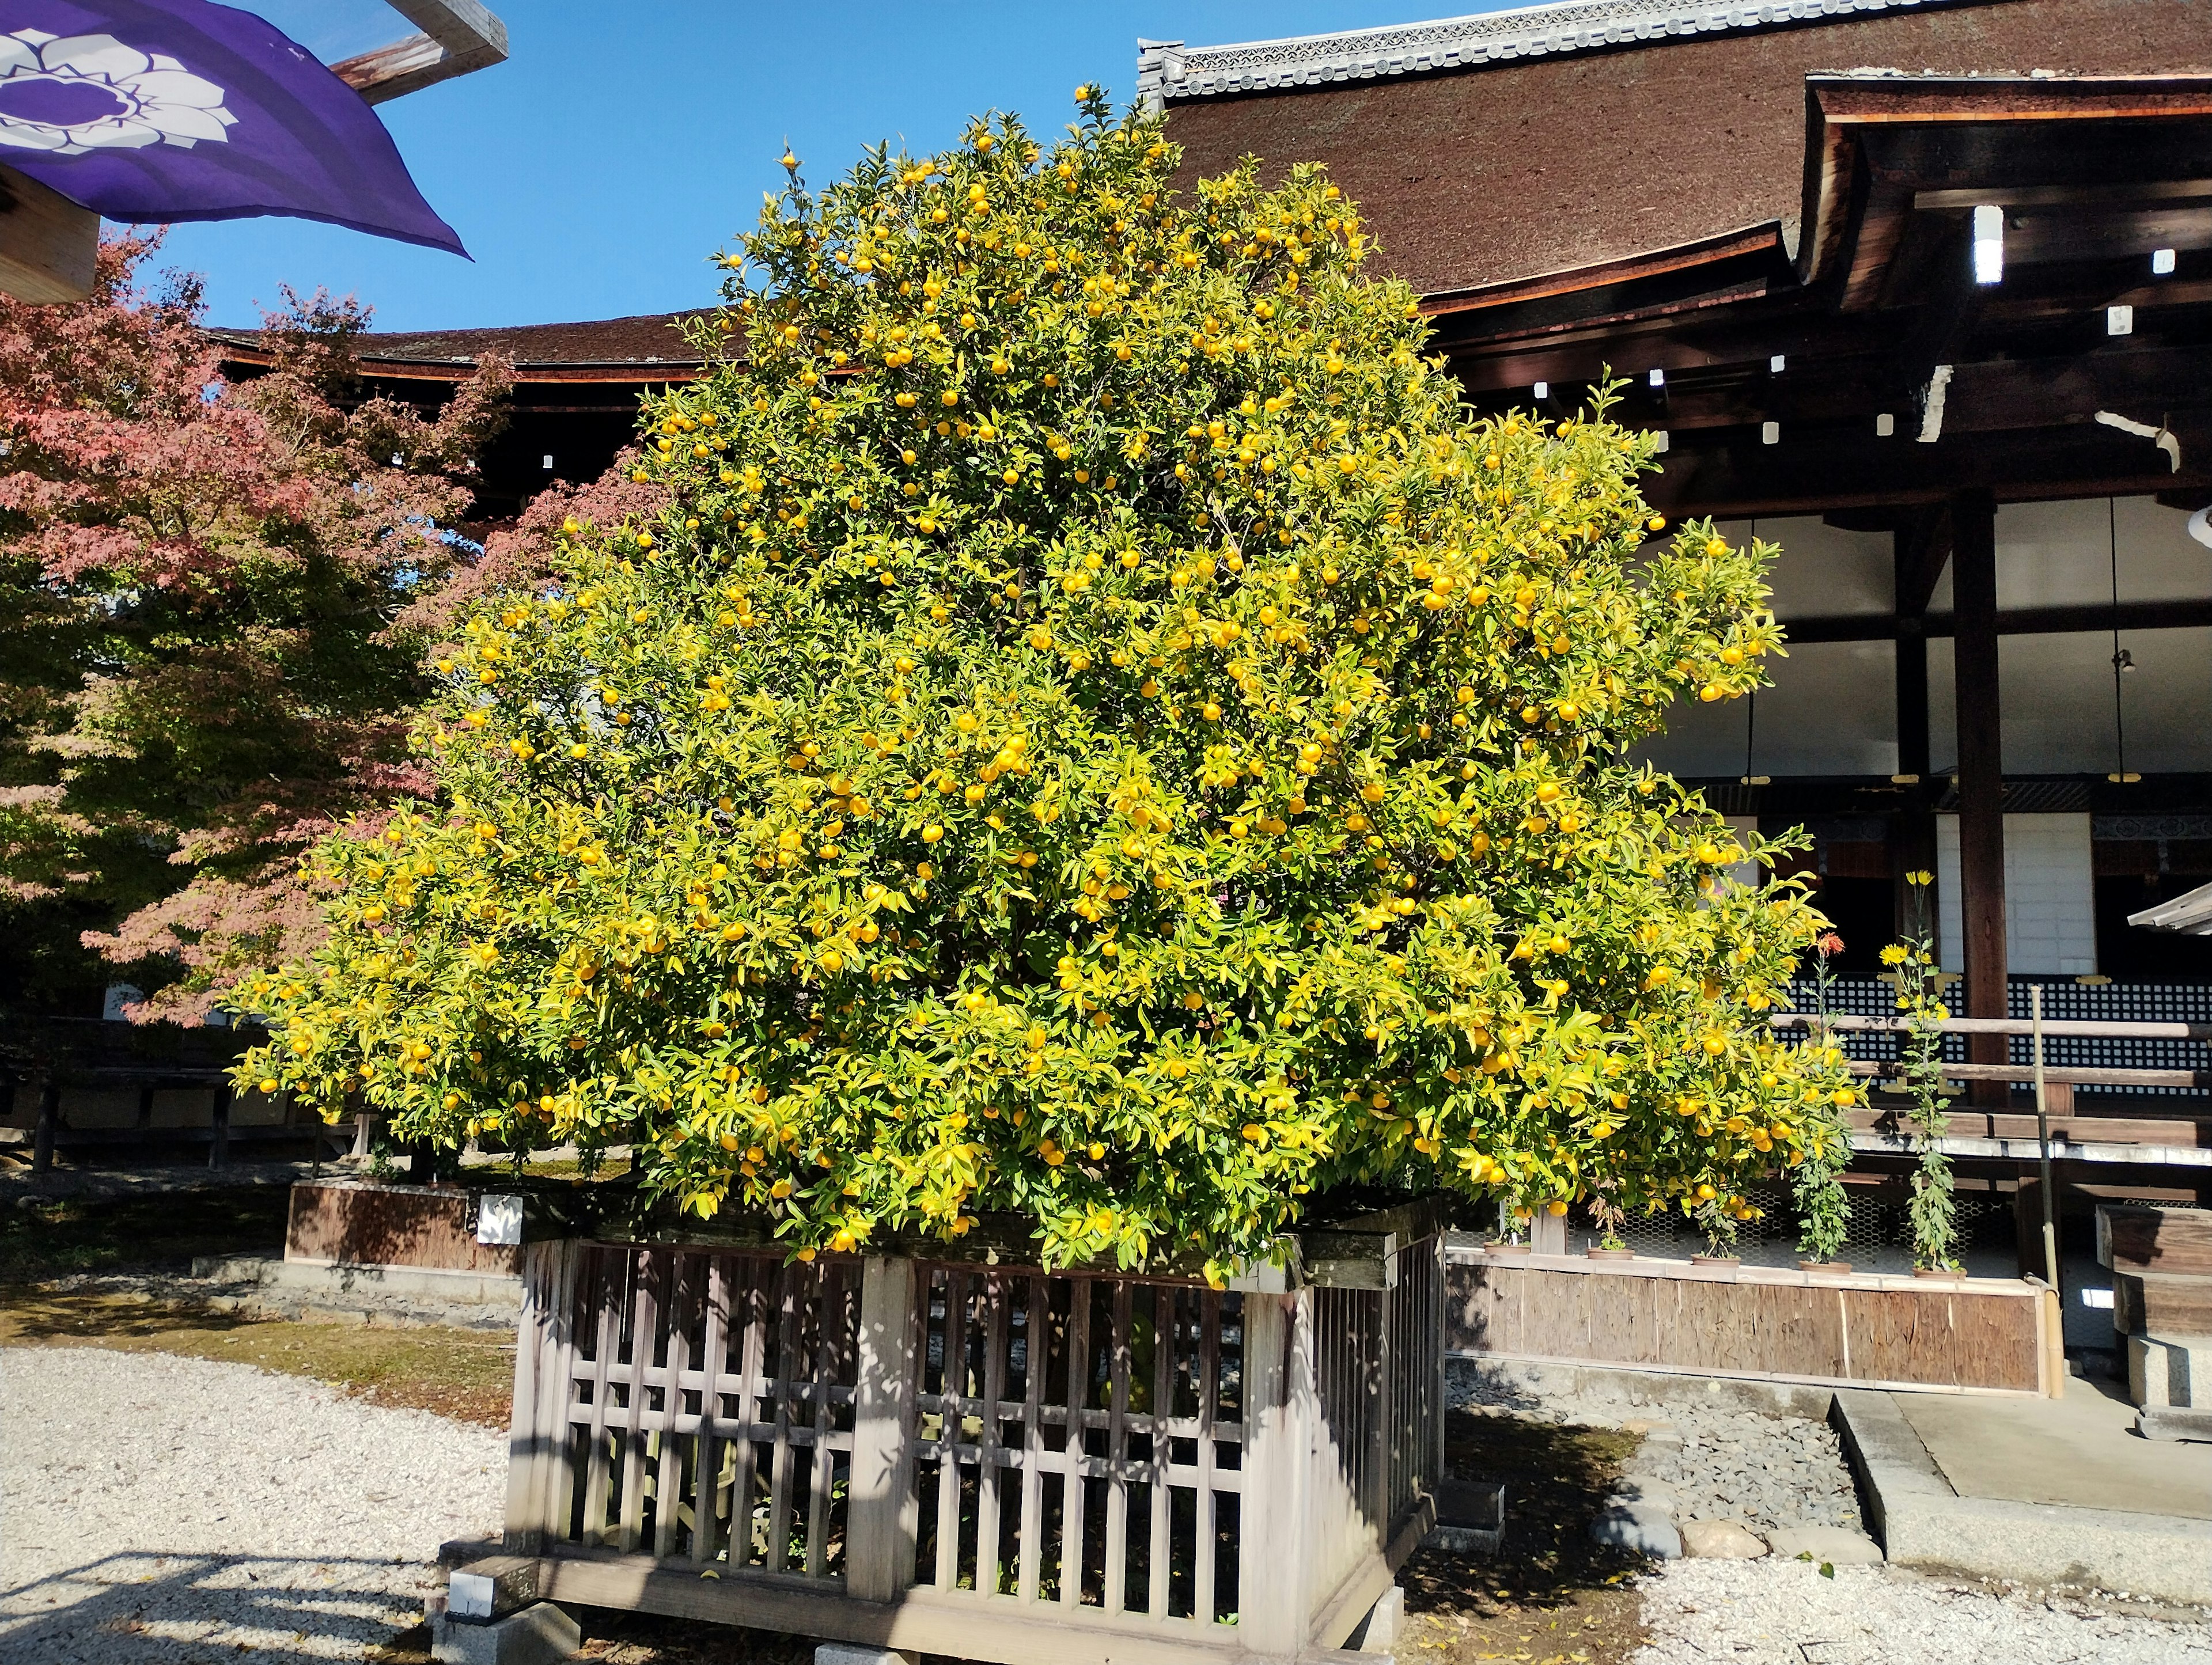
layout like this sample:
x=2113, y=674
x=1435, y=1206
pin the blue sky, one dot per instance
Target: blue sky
x=596, y=173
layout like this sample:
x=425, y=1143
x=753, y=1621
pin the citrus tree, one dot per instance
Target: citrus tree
x=1099, y=734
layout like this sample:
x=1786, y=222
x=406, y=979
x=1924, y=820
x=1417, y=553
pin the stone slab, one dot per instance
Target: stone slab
x=1379, y=1631
x=851, y=1653
x=1721, y=1541
x=1924, y=1521
x=1644, y=1528
x=2173, y=1422
x=1837, y=1545
x=2080, y=1452
x=540, y=1635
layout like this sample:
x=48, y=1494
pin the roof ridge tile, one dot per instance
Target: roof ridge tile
x=1170, y=69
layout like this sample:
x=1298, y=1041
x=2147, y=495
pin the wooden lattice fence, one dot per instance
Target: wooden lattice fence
x=991, y=1461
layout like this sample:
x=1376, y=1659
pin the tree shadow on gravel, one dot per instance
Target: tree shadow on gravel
x=1550, y=1593
x=143, y=1608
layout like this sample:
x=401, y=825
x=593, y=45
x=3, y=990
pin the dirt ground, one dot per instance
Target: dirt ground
x=43, y=1237
x=1551, y=1596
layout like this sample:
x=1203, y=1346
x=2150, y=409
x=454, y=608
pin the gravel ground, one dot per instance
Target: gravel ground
x=1784, y=1613
x=1765, y=1471
x=160, y=1510
x=1732, y=1464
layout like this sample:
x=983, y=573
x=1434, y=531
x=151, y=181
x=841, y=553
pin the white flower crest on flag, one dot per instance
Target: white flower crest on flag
x=158, y=100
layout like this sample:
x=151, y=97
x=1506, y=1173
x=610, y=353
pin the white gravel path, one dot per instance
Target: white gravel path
x=158, y=1510
x=1784, y=1613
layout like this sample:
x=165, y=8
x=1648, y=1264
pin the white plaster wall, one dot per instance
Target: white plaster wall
x=1832, y=710
x=2058, y=554
x=1823, y=570
x=2057, y=695
x=2051, y=918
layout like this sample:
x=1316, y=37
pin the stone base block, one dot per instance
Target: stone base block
x=2170, y=1369
x=852, y=1653
x=540, y=1635
x=1839, y=1546
x=1378, y=1631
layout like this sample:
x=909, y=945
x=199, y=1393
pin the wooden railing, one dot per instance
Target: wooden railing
x=2043, y=1077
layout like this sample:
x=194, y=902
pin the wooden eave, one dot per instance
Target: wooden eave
x=1876, y=145
x=621, y=371
x=1756, y=245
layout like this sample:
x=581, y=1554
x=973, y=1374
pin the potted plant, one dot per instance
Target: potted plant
x=1100, y=755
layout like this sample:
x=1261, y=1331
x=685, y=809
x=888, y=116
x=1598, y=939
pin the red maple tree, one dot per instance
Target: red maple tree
x=215, y=598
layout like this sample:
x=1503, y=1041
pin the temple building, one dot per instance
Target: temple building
x=1922, y=293
x=1919, y=290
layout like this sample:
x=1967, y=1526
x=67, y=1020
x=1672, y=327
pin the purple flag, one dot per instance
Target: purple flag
x=151, y=111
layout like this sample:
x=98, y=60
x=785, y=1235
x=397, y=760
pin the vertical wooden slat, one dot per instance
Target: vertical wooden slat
x=790, y=1296
x=668, y=1482
x=570, y=1319
x=1433, y=1338
x=995, y=1332
x=829, y=1341
x=951, y=1391
x=879, y=1512
x=1078, y=1397
x=644, y=1318
x=609, y=1299
x=707, y=1456
x=1037, y=1352
x=758, y=1296
x=1164, y=1342
x=1117, y=1434
x=1376, y=1388
x=1209, y=1389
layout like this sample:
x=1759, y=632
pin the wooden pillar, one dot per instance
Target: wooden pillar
x=49, y=1119
x=219, y=1134
x=1981, y=774
x=1912, y=839
x=883, y=1512
x=1275, y=1597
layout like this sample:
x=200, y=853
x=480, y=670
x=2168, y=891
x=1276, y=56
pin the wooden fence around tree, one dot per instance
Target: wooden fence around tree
x=989, y=1461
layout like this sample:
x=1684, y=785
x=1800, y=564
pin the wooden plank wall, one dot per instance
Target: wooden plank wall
x=1968, y=1334
x=355, y=1222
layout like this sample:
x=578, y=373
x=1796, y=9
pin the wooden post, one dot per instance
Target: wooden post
x=219, y=1134
x=1981, y=775
x=2043, y=1142
x=1273, y=1597
x=1548, y=1232
x=1912, y=846
x=50, y=1117
x=882, y=1513
x=537, y=1426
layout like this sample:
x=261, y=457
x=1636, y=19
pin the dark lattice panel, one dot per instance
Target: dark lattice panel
x=1081, y=1441
x=709, y=1407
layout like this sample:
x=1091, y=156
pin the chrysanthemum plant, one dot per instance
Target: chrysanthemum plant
x=1100, y=736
